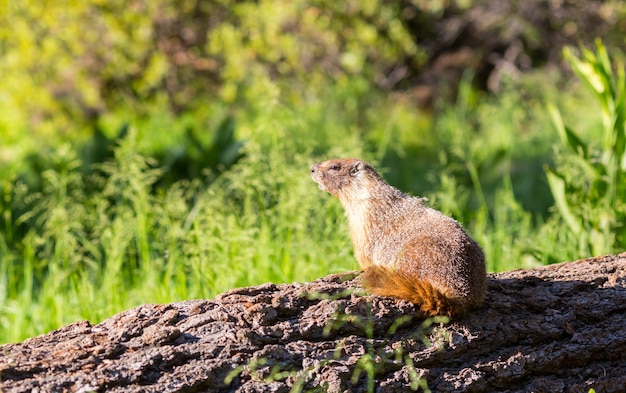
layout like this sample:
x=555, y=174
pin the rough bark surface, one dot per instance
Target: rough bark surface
x=561, y=328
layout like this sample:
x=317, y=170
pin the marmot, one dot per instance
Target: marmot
x=408, y=250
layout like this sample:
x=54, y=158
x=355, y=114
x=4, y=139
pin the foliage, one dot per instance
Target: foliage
x=160, y=151
x=588, y=182
x=74, y=63
x=69, y=66
x=91, y=237
x=87, y=243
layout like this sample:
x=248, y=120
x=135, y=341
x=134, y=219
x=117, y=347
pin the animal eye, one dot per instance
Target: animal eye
x=334, y=168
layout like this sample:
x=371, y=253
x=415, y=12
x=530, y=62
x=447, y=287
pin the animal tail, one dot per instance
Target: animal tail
x=383, y=281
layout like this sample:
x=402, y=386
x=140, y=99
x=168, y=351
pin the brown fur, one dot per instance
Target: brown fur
x=407, y=249
x=384, y=281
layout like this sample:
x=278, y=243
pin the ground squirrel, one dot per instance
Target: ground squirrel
x=408, y=250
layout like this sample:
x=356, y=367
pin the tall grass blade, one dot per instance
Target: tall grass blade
x=557, y=186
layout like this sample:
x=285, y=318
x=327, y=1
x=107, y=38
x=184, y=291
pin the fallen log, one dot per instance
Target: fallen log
x=560, y=328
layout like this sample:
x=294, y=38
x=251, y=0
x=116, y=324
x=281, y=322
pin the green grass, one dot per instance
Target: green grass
x=84, y=238
x=588, y=186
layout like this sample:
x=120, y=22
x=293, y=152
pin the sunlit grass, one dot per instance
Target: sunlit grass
x=588, y=183
x=85, y=243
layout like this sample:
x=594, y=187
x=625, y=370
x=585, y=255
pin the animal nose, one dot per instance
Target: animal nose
x=314, y=168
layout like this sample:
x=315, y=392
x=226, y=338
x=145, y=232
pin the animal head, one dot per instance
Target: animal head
x=348, y=178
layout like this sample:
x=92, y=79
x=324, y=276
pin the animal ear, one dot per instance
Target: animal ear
x=356, y=168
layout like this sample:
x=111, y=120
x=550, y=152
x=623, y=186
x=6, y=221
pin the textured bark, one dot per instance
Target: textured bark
x=555, y=329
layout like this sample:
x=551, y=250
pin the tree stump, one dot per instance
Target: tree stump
x=560, y=328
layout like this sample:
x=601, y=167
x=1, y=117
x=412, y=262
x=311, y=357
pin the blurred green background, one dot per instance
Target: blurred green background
x=155, y=151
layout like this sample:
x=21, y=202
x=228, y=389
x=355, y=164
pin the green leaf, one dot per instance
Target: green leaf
x=557, y=186
x=567, y=135
x=602, y=60
x=585, y=70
